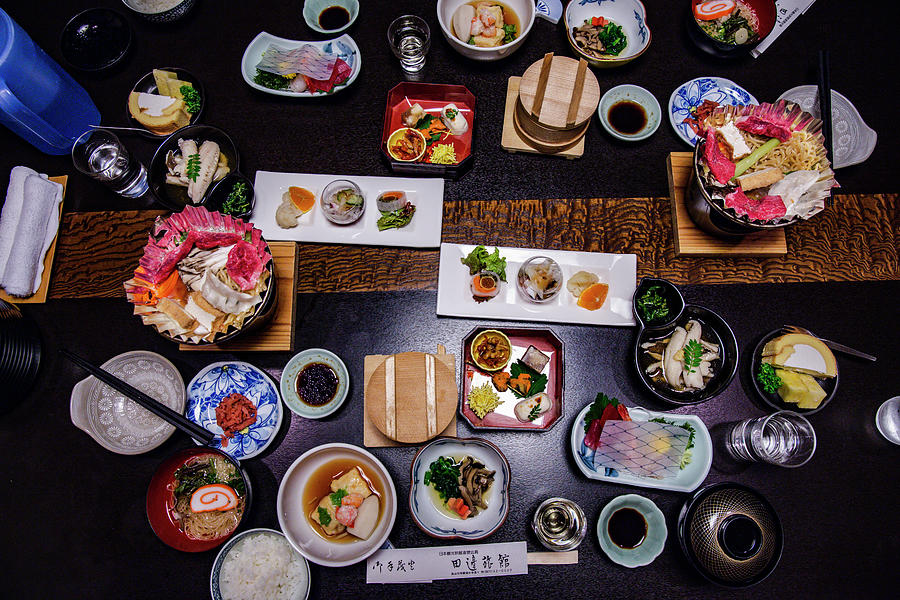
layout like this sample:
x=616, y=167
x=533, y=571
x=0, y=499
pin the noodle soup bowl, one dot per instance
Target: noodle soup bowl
x=765, y=11
x=161, y=502
x=292, y=513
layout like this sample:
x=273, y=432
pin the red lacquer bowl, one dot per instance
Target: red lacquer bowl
x=160, y=501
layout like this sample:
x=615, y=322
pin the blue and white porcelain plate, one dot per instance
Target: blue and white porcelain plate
x=687, y=480
x=691, y=94
x=218, y=380
x=435, y=522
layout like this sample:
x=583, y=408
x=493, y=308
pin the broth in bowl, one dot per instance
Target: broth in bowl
x=343, y=501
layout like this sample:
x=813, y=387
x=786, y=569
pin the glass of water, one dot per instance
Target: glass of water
x=410, y=40
x=99, y=154
x=783, y=438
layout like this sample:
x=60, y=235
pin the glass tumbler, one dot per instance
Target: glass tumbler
x=410, y=39
x=783, y=438
x=99, y=154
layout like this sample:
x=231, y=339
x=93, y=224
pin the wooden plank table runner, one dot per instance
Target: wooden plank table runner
x=857, y=238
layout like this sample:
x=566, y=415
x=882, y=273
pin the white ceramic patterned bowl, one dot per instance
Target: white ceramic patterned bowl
x=115, y=421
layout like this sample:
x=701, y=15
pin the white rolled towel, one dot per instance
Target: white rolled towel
x=12, y=210
x=34, y=232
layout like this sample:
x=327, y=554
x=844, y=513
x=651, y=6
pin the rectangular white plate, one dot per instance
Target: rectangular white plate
x=618, y=270
x=424, y=231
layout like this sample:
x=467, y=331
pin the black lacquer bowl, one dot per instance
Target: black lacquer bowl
x=175, y=197
x=725, y=367
x=730, y=534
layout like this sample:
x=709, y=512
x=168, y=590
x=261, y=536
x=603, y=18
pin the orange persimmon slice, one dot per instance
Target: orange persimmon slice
x=302, y=198
x=594, y=296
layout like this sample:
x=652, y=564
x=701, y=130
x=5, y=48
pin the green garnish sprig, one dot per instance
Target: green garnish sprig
x=767, y=378
x=192, y=170
x=693, y=354
x=191, y=99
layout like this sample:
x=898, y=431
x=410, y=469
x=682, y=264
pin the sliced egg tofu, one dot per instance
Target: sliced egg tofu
x=353, y=482
x=333, y=527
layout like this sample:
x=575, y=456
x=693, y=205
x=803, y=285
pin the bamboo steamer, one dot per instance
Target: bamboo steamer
x=557, y=98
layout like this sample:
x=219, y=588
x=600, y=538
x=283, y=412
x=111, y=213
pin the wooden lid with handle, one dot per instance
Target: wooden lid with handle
x=412, y=397
x=559, y=92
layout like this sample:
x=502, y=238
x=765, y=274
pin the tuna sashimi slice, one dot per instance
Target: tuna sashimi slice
x=722, y=168
x=753, y=124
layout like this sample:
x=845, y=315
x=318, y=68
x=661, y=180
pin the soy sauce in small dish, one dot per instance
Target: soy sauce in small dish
x=333, y=17
x=317, y=384
x=627, y=117
x=627, y=528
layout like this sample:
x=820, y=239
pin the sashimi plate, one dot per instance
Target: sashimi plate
x=344, y=47
x=687, y=480
x=424, y=231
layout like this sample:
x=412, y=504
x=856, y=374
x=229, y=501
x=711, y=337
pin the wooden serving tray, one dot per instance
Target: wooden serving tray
x=278, y=334
x=693, y=241
x=40, y=296
x=411, y=421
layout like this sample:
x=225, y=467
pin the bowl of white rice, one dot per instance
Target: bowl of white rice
x=259, y=564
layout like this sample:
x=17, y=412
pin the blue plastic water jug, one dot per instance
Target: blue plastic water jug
x=39, y=101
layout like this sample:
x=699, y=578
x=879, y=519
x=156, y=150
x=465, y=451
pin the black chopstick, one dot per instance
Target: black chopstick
x=825, y=102
x=159, y=409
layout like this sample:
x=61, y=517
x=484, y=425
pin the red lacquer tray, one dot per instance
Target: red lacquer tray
x=432, y=97
x=503, y=416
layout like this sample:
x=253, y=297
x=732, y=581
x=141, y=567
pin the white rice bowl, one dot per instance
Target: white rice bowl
x=259, y=564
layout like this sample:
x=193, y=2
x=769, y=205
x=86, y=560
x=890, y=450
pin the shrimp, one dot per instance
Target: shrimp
x=352, y=500
x=477, y=27
x=346, y=515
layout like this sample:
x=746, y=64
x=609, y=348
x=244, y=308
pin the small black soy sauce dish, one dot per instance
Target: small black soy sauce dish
x=680, y=312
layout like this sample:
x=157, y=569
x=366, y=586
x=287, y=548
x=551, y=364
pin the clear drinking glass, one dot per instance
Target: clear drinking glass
x=783, y=438
x=99, y=154
x=410, y=40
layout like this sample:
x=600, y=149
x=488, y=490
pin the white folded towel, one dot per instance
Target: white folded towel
x=28, y=223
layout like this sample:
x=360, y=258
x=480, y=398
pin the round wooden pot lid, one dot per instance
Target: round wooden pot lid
x=411, y=397
x=559, y=92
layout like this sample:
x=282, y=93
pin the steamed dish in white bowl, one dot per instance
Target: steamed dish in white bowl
x=485, y=29
x=336, y=504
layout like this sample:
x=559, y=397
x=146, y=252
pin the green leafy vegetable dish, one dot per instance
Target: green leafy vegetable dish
x=652, y=304
x=238, y=200
x=443, y=475
x=397, y=218
x=600, y=38
x=480, y=260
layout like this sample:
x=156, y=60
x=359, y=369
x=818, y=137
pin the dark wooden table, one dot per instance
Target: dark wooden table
x=73, y=514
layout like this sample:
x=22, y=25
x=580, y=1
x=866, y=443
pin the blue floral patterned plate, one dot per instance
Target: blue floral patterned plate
x=438, y=522
x=220, y=379
x=691, y=94
x=688, y=479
